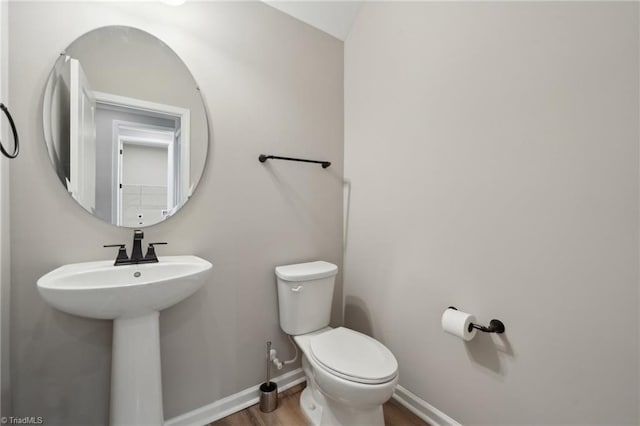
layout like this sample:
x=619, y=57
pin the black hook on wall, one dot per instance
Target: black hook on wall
x=16, y=148
x=495, y=326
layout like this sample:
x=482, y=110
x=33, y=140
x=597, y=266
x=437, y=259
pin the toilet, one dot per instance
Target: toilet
x=349, y=374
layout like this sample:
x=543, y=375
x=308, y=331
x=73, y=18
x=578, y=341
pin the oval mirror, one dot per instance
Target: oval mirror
x=125, y=126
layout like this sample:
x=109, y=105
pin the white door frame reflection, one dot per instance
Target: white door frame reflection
x=135, y=203
x=82, y=135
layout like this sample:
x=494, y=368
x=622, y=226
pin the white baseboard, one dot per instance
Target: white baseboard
x=422, y=408
x=248, y=397
x=233, y=403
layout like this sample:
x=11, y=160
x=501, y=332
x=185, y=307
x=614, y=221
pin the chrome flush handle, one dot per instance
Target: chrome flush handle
x=296, y=289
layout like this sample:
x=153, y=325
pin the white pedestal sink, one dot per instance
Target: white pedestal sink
x=132, y=296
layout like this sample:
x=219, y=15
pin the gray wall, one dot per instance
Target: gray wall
x=5, y=264
x=492, y=150
x=272, y=85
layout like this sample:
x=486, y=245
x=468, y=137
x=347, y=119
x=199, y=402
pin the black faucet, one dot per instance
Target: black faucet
x=136, y=254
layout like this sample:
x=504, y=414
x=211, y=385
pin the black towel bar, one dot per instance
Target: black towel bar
x=262, y=158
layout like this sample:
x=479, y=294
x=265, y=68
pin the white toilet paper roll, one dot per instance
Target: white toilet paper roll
x=457, y=323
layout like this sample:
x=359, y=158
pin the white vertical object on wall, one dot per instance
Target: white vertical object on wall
x=83, y=139
x=183, y=139
x=5, y=382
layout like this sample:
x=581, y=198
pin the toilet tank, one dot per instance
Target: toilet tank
x=305, y=294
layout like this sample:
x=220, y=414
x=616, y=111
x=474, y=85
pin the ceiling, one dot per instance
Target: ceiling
x=332, y=17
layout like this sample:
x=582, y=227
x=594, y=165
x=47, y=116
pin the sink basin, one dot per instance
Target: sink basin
x=131, y=296
x=101, y=290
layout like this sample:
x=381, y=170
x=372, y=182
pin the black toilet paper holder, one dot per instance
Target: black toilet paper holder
x=495, y=326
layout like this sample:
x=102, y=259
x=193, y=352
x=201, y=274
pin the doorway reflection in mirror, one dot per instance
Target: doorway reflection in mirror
x=125, y=126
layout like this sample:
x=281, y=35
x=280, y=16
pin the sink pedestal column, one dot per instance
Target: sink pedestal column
x=136, y=383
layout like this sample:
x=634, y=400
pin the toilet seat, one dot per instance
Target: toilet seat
x=353, y=356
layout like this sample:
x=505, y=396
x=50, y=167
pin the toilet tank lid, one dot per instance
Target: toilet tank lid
x=306, y=271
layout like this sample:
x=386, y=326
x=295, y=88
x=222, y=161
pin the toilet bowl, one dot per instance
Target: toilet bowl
x=349, y=377
x=349, y=374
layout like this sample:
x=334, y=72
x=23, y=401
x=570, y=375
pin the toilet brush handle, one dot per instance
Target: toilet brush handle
x=268, y=363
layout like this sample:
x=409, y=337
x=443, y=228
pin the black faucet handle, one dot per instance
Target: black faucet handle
x=122, y=252
x=151, y=252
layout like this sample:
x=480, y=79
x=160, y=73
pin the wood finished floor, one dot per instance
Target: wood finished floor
x=288, y=413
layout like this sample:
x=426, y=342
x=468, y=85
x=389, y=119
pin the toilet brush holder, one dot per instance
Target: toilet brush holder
x=268, y=390
x=268, y=397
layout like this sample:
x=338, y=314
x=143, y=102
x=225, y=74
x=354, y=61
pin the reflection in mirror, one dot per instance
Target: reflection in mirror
x=125, y=126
